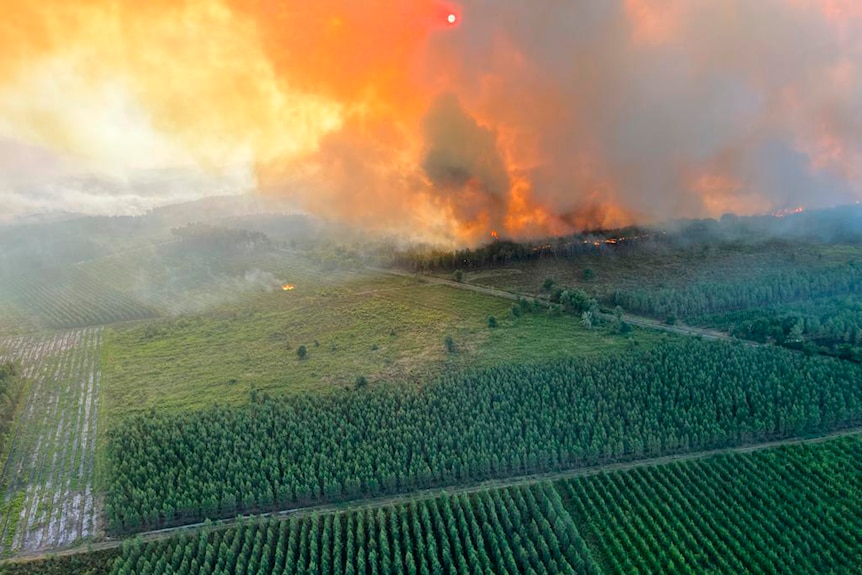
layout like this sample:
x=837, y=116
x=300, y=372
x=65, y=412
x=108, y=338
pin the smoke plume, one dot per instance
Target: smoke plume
x=526, y=117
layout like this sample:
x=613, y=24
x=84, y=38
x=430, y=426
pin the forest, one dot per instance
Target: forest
x=510, y=420
x=795, y=508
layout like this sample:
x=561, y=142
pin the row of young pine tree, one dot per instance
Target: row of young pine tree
x=511, y=531
x=168, y=469
x=755, y=290
x=795, y=509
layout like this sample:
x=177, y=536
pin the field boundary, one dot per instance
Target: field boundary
x=374, y=502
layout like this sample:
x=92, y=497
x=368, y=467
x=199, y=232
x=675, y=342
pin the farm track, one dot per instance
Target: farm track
x=382, y=501
x=48, y=476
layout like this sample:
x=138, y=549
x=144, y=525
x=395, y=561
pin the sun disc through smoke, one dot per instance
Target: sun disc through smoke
x=451, y=18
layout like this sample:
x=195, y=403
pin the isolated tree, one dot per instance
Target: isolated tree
x=450, y=344
x=492, y=321
x=548, y=284
x=459, y=275
x=301, y=352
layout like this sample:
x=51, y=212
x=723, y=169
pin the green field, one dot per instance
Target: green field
x=380, y=327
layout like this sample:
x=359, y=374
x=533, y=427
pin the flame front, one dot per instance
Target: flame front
x=288, y=287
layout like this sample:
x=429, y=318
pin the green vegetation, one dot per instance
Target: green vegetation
x=753, y=291
x=790, y=510
x=802, y=295
x=169, y=364
x=831, y=325
x=795, y=509
x=243, y=375
x=510, y=531
x=666, y=264
x=168, y=469
x=11, y=385
x=91, y=563
x=69, y=297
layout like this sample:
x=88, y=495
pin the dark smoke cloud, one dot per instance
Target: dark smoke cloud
x=671, y=108
x=463, y=163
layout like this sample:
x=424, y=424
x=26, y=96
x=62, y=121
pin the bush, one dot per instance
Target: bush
x=492, y=321
x=450, y=344
x=301, y=352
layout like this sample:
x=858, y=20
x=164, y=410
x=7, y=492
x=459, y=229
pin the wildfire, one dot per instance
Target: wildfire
x=788, y=212
x=288, y=287
x=494, y=235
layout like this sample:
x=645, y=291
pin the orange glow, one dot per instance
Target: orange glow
x=653, y=23
x=327, y=103
x=288, y=287
x=494, y=235
x=788, y=211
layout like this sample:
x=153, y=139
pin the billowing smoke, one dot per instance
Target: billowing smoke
x=462, y=162
x=526, y=117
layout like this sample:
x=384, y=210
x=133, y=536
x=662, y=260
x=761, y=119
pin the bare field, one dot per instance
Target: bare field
x=48, y=499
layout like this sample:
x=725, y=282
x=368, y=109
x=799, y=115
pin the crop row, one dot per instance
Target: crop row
x=511, y=531
x=49, y=498
x=794, y=510
x=709, y=297
x=510, y=420
x=72, y=298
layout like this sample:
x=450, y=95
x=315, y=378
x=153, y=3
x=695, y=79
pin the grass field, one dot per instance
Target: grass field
x=379, y=327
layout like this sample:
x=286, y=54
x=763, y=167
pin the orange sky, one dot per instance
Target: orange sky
x=523, y=117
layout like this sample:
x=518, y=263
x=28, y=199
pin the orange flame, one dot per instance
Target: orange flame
x=288, y=287
x=494, y=235
x=788, y=211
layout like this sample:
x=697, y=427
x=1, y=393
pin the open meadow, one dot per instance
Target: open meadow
x=377, y=327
